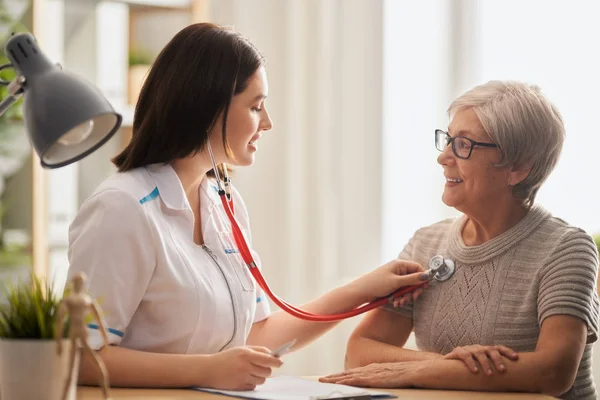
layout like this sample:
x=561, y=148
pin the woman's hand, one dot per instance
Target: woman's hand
x=242, y=368
x=387, y=375
x=388, y=278
x=477, y=354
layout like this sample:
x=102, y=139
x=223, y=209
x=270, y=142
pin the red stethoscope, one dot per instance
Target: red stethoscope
x=439, y=268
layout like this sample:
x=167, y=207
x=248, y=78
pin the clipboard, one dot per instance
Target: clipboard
x=342, y=396
x=295, y=388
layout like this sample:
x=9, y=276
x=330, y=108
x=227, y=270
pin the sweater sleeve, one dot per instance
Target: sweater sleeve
x=406, y=254
x=568, y=282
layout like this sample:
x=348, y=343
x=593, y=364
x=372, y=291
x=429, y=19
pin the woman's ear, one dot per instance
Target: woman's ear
x=518, y=174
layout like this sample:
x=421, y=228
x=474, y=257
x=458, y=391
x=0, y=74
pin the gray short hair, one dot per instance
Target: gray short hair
x=525, y=125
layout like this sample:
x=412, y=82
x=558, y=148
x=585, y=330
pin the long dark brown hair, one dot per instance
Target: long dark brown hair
x=191, y=82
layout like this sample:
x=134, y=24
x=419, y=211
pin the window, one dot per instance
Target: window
x=554, y=44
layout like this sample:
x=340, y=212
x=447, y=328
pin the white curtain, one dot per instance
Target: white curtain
x=314, y=194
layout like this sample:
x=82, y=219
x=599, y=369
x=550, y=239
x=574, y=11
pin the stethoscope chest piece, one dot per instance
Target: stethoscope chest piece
x=442, y=268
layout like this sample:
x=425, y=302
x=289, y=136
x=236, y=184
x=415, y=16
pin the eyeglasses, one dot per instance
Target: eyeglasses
x=461, y=146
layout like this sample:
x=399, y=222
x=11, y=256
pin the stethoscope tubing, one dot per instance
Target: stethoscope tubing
x=289, y=308
x=240, y=240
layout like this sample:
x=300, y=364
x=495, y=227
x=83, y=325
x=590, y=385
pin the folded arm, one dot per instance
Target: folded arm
x=550, y=369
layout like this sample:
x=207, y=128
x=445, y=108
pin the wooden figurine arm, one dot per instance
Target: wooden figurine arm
x=96, y=312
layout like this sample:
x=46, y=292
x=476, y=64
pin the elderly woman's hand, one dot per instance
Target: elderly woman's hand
x=478, y=354
x=387, y=375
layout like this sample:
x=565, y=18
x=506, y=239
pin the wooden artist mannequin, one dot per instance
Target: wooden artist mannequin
x=76, y=305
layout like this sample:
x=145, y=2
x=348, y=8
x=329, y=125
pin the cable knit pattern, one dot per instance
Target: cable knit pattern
x=503, y=289
x=469, y=291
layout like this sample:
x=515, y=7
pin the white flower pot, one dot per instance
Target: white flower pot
x=32, y=369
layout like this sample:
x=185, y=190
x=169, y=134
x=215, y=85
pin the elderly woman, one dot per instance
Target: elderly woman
x=521, y=311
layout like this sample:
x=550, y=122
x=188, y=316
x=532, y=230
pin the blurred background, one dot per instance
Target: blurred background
x=357, y=87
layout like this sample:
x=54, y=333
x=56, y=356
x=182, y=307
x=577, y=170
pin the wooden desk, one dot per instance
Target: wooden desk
x=94, y=393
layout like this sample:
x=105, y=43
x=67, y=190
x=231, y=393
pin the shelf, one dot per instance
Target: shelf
x=159, y=3
x=167, y=4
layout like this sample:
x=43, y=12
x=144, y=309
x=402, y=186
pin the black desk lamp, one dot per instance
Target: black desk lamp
x=66, y=117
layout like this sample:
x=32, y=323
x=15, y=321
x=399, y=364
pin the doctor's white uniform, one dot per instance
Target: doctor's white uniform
x=158, y=290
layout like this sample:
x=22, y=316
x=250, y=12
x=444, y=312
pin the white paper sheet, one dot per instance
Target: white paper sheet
x=294, y=388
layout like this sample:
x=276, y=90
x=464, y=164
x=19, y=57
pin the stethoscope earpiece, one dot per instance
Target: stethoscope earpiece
x=441, y=268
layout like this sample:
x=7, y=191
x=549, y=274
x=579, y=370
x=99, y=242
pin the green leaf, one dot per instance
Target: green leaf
x=140, y=57
x=30, y=311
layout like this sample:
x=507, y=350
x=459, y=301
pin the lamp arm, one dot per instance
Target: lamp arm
x=15, y=90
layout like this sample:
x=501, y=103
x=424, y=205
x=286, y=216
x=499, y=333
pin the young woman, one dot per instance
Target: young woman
x=156, y=245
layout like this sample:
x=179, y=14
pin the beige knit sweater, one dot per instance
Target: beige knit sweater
x=503, y=290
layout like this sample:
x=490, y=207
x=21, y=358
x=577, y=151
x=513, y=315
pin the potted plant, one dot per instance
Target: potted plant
x=139, y=65
x=30, y=365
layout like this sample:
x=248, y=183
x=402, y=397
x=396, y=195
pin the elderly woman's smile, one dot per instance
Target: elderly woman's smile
x=450, y=182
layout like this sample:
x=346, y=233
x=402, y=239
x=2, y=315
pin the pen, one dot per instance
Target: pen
x=283, y=349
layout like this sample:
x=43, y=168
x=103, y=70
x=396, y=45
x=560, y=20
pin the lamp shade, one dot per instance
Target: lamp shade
x=66, y=117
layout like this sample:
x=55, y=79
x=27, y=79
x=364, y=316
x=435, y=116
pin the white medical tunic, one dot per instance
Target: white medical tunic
x=158, y=290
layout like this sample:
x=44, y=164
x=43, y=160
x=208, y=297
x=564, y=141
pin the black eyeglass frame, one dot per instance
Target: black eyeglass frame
x=451, y=140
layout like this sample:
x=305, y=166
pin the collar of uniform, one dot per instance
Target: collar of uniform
x=209, y=188
x=209, y=200
x=169, y=186
x=171, y=191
